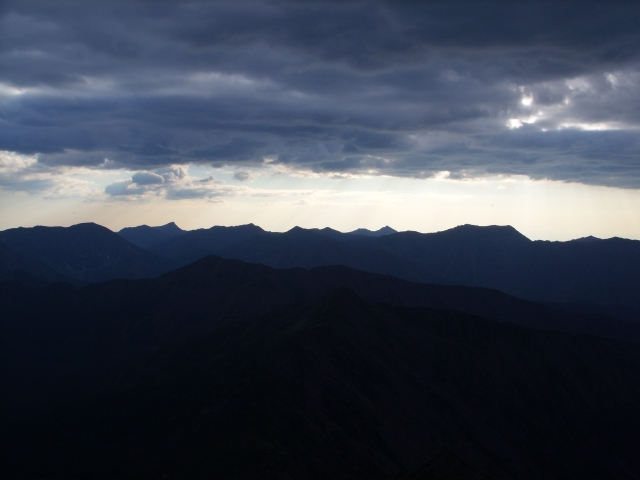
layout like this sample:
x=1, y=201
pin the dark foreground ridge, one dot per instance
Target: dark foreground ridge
x=224, y=369
x=339, y=388
x=70, y=341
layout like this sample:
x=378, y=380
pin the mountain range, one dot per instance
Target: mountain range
x=593, y=272
x=318, y=354
x=600, y=272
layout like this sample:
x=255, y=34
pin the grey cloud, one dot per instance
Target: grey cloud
x=242, y=176
x=193, y=193
x=172, y=174
x=172, y=183
x=147, y=178
x=120, y=188
x=399, y=88
x=29, y=185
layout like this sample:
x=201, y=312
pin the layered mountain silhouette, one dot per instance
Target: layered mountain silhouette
x=596, y=271
x=146, y=237
x=580, y=272
x=233, y=352
x=84, y=253
x=332, y=387
x=197, y=244
x=374, y=233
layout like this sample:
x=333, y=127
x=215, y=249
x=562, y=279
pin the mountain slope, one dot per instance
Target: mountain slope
x=312, y=248
x=374, y=233
x=595, y=272
x=146, y=237
x=341, y=387
x=71, y=342
x=84, y=253
x=601, y=272
x=18, y=267
x=196, y=244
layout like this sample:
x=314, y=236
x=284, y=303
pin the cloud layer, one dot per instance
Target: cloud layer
x=544, y=89
x=172, y=183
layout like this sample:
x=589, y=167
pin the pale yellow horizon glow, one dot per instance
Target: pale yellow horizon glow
x=541, y=210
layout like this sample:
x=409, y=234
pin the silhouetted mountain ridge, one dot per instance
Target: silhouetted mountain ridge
x=387, y=230
x=196, y=244
x=599, y=272
x=580, y=272
x=146, y=237
x=83, y=253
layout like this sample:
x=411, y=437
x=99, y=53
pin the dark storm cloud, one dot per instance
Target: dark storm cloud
x=385, y=88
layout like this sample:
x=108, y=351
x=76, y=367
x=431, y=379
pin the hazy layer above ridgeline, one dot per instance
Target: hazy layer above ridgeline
x=582, y=271
x=327, y=387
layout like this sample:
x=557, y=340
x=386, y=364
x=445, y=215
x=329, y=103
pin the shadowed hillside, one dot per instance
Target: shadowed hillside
x=598, y=271
x=72, y=342
x=579, y=273
x=84, y=253
x=602, y=272
x=339, y=388
x=146, y=237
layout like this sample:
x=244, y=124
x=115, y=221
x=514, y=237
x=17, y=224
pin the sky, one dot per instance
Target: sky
x=417, y=115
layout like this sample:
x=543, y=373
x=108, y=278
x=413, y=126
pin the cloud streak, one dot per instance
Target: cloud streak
x=543, y=89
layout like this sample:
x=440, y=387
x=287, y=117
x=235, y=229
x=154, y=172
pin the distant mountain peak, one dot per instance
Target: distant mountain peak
x=386, y=230
x=170, y=228
x=588, y=239
x=496, y=231
x=296, y=229
x=85, y=226
x=145, y=236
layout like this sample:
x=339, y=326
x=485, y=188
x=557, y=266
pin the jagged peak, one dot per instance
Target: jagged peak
x=170, y=227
